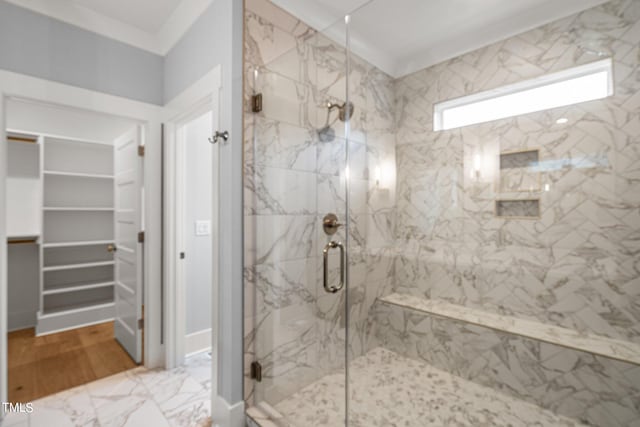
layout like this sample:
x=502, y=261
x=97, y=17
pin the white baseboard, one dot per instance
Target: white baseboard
x=197, y=342
x=22, y=320
x=225, y=415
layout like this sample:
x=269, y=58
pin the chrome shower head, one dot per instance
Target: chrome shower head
x=326, y=134
x=345, y=111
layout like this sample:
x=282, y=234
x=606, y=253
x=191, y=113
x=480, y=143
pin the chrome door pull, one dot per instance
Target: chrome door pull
x=325, y=256
x=219, y=135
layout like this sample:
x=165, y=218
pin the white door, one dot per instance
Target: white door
x=128, y=255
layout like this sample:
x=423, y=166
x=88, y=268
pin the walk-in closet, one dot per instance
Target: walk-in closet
x=74, y=197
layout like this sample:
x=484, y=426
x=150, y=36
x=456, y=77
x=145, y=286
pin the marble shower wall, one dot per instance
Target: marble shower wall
x=422, y=203
x=292, y=179
x=576, y=265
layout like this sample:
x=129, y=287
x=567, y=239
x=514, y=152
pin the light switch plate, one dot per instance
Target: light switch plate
x=203, y=228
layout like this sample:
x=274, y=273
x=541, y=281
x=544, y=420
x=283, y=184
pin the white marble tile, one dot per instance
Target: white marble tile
x=172, y=389
x=15, y=419
x=194, y=412
x=69, y=408
x=279, y=144
x=144, y=412
x=139, y=397
x=573, y=268
x=388, y=389
x=117, y=395
x=199, y=367
x=277, y=191
x=603, y=346
x=554, y=376
x=276, y=238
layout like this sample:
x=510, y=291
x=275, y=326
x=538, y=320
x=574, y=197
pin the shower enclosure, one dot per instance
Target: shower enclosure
x=443, y=237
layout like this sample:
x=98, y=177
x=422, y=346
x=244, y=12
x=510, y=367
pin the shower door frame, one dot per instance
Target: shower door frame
x=343, y=214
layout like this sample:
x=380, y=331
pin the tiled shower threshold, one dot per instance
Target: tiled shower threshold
x=390, y=390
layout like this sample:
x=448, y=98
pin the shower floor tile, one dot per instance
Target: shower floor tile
x=390, y=390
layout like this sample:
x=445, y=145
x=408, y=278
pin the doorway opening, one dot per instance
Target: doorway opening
x=194, y=236
x=75, y=229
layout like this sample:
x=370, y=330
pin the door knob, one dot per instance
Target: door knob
x=112, y=248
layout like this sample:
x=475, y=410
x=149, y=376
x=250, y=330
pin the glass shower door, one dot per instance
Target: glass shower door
x=295, y=187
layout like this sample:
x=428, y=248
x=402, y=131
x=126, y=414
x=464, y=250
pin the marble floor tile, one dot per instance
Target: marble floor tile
x=139, y=397
x=68, y=408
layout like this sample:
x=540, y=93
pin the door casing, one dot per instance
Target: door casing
x=149, y=116
x=202, y=96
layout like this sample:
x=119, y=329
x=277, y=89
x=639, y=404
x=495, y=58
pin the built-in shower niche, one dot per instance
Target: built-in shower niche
x=519, y=171
x=518, y=209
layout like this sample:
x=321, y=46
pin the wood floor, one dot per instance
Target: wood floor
x=40, y=366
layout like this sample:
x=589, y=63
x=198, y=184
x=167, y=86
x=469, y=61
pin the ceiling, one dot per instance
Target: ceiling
x=147, y=15
x=403, y=36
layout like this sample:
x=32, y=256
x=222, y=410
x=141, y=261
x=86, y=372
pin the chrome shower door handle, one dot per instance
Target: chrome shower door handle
x=325, y=257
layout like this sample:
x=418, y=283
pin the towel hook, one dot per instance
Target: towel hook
x=216, y=137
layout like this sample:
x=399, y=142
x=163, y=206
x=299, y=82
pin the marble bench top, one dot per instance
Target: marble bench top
x=601, y=346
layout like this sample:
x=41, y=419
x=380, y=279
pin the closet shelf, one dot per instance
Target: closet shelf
x=77, y=266
x=77, y=174
x=75, y=288
x=78, y=243
x=76, y=209
x=23, y=236
x=77, y=308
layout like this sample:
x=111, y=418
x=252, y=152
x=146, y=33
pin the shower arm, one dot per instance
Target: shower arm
x=330, y=106
x=344, y=114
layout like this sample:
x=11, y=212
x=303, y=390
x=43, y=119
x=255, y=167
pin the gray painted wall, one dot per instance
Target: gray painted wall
x=36, y=45
x=198, y=203
x=216, y=38
x=23, y=290
x=200, y=49
x=39, y=46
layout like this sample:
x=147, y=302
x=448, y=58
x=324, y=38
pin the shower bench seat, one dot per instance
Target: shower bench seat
x=602, y=346
x=592, y=379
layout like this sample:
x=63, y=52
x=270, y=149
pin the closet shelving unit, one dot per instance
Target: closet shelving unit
x=76, y=232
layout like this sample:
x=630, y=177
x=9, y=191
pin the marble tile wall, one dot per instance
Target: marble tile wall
x=422, y=203
x=577, y=265
x=592, y=389
x=292, y=179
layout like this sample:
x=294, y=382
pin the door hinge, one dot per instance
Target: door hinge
x=256, y=371
x=256, y=103
x=182, y=255
x=141, y=237
x=141, y=150
x=140, y=323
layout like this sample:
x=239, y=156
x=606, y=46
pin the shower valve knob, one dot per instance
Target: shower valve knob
x=330, y=224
